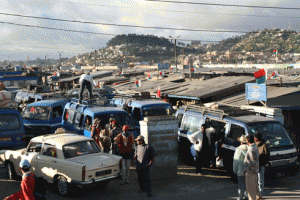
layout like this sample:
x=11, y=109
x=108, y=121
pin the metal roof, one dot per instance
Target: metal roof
x=272, y=92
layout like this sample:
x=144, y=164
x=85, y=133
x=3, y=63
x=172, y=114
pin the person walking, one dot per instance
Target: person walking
x=251, y=168
x=264, y=157
x=125, y=142
x=27, y=183
x=200, y=141
x=86, y=80
x=238, y=163
x=144, y=156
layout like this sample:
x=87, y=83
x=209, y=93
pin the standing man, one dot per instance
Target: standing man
x=251, y=168
x=264, y=157
x=27, y=183
x=144, y=156
x=112, y=134
x=86, y=80
x=125, y=142
x=238, y=163
x=200, y=141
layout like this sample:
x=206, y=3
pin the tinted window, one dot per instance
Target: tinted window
x=236, y=132
x=274, y=134
x=35, y=147
x=9, y=122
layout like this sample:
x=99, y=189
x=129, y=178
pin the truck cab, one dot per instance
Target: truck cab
x=79, y=117
x=43, y=117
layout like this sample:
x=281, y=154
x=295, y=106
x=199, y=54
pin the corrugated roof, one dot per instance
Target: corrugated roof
x=272, y=92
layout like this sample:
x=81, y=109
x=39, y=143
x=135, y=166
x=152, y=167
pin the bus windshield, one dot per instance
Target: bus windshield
x=36, y=112
x=273, y=133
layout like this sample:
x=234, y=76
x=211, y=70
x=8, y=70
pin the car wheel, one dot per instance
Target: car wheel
x=63, y=186
x=11, y=173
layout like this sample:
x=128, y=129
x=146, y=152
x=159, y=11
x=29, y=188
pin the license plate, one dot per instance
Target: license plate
x=102, y=173
x=5, y=139
x=280, y=174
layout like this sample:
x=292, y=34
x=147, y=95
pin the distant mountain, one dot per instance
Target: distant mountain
x=285, y=41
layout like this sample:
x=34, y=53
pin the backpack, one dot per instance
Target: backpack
x=40, y=189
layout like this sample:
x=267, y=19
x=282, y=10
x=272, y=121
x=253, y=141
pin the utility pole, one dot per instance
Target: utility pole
x=59, y=58
x=175, y=50
x=46, y=61
x=95, y=58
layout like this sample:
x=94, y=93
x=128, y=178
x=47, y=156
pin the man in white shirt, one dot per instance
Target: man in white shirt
x=200, y=141
x=86, y=80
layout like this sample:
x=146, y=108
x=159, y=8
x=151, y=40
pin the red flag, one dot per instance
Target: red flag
x=148, y=75
x=158, y=93
x=136, y=82
x=259, y=73
x=160, y=73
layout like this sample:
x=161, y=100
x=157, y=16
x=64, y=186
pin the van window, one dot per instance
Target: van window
x=88, y=123
x=36, y=112
x=191, y=124
x=78, y=119
x=57, y=111
x=66, y=116
x=9, y=122
x=236, y=132
x=179, y=117
x=71, y=116
x=137, y=114
x=218, y=126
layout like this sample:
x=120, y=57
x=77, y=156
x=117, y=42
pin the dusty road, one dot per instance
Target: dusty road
x=214, y=184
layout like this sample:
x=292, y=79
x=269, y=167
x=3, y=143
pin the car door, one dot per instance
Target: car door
x=47, y=162
x=32, y=154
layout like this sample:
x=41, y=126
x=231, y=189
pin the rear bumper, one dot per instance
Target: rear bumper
x=94, y=181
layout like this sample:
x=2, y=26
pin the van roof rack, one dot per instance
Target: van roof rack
x=221, y=111
x=137, y=96
x=93, y=102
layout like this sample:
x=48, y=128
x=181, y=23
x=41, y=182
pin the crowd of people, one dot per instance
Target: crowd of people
x=119, y=141
x=249, y=160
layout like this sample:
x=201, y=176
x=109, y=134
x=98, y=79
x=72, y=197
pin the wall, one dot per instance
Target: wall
x=161, y=132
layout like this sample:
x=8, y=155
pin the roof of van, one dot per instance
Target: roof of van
x=48, y=102
x=144, y=101
x=103, y=110
x=254, y=119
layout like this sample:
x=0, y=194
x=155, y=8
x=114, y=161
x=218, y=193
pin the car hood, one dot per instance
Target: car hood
x=96, y=161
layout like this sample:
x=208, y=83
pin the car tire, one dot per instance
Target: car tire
x=62, y=185
x=11, y=173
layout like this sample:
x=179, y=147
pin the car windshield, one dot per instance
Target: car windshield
x=9, y=122
x=157, y=111
x=121, y=118
x=36, y=112
x=80, y=149
x=273, y=133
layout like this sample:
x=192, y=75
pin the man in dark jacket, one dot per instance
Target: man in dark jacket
x=27, y=184
x=144, y=156
x=264, y=157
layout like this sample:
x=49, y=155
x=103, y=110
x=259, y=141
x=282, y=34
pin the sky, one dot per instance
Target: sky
x=47, y=28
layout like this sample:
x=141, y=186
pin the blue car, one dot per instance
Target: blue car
x=43, y=117
x=12, y=131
